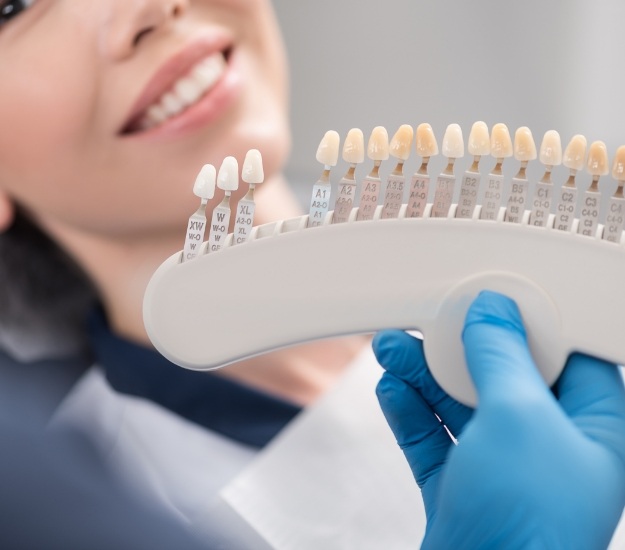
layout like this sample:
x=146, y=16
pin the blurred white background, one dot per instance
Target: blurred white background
x=546, y=64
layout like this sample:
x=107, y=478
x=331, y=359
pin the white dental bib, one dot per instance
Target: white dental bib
x=334, y=478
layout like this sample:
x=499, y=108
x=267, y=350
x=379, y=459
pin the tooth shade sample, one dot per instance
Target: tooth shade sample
x=453, y=142
x=354, y=147
x=479, y=140
x=328, y=151
x=378, y=148
x=598, y=159
x=618, y=168
x=401, y=142
x=500, y=142
x=252, y=171
x=524, y=146
x=551, y=149
x=228, y=177
x=204, y=186
x=575, y=153
x=426, y=141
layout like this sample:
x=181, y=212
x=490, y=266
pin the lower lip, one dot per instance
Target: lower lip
x=206, y=111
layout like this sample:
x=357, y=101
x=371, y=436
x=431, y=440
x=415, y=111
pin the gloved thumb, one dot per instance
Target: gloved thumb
x=496, y=350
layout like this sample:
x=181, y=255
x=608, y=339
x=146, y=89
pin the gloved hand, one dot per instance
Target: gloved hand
x=532, y=468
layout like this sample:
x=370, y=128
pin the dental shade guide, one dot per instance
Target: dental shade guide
x=500, y=148
x=524, y=151
x=400, y=149
x=453, y=148
x=403, y=272
x=427, y=147
x=574, y=159
x=353, y=154
x=478, y=146
x=204, y=188
x=378, y=151
x=227, y=181
x=596, y=166
x=328, y=155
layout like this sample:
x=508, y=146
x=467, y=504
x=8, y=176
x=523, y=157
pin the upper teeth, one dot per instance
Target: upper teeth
x=186, y=91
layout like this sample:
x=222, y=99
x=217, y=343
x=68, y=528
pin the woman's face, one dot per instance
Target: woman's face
x=109, y=108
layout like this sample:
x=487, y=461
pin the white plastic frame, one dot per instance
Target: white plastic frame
x=290, y=284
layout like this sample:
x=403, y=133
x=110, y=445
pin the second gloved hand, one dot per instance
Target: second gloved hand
x=531, y=469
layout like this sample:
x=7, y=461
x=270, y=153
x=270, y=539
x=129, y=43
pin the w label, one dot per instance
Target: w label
x=218, y=228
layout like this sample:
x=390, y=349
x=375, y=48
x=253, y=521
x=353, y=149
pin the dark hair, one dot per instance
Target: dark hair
x=43, y=292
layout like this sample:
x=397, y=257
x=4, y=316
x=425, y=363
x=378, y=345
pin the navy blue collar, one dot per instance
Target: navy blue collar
x=225, y=406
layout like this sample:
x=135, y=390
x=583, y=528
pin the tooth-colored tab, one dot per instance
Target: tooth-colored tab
x=204, y=186
x=575, y=153
x=598, y=159
x=479, y=140
x=252, y=171
x=354, y=147
x=401, y=142
x=378, y=148
x=500, y=141
x=228, y=177
x=453, y=142
x=426, y=141
x=618, y=168
x=328, y=151
x=524, y=146
x=551, y=149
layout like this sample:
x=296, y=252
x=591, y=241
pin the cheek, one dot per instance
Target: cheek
x=45, y=107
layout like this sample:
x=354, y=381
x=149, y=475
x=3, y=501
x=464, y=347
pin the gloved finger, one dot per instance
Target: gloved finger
x=402, y=355
x=497, y=353
x=592, y=394
x=420, y=435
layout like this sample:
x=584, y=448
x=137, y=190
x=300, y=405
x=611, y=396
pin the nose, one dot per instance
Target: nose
x=126, y=23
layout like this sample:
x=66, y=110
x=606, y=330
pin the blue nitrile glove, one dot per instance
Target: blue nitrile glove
x=530, y=470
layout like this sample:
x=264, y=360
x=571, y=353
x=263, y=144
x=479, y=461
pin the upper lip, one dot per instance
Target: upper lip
x=173, y=69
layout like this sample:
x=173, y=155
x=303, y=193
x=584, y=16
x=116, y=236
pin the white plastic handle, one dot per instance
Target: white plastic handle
x=290, y=284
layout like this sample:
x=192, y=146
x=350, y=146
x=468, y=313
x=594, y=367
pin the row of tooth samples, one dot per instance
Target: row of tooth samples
x=497, y=144
x=227, y=179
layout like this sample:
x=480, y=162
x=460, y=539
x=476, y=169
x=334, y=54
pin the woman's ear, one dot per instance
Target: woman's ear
x=7, y=212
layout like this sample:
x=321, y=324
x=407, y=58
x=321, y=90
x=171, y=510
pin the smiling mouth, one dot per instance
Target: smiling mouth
x=184, y=93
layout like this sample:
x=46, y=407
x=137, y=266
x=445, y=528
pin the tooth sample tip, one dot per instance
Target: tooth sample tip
x=500, y=142
x=618, y=168
x=575, y=153
x=228, y=176
x=453, y=142
x=252, y=171
x=479, y=140
x=354, y=147
x=524, y=146
x=328, y=151
x=204, y=186
x=597, y=159
x=426, y=141
x=378, y=147
x=551, y=149
x=401, y=142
